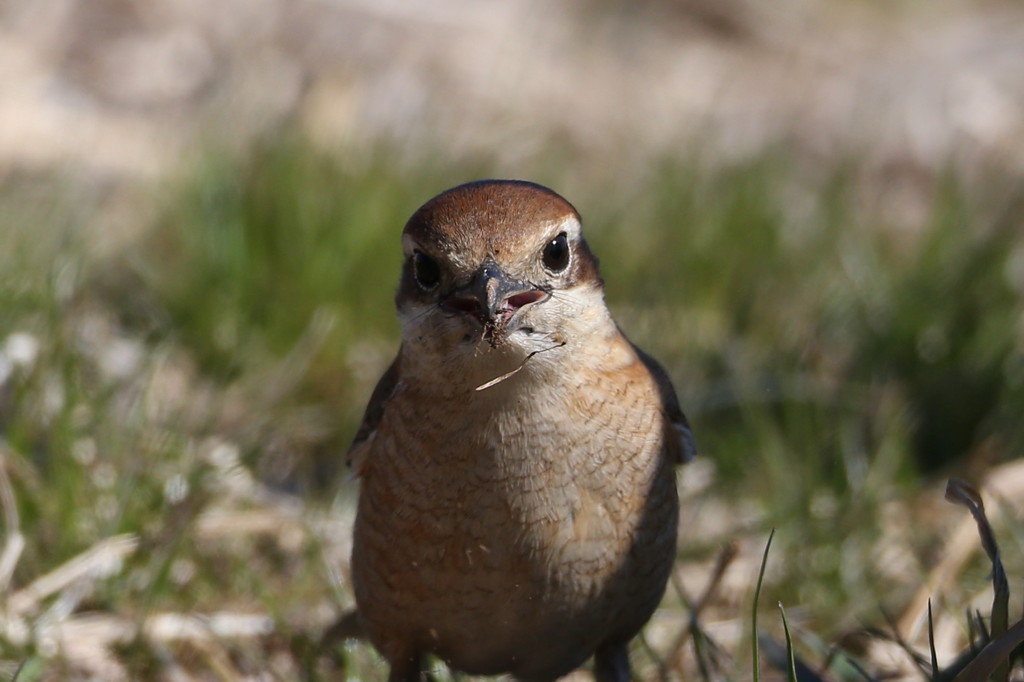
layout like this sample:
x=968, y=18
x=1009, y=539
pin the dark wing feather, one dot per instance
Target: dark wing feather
x=372, y=416
x=681, y=446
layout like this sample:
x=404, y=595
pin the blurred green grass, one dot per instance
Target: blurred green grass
x=830, y=362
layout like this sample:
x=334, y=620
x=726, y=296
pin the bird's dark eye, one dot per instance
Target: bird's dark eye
x=556, y=253
x=425, y=271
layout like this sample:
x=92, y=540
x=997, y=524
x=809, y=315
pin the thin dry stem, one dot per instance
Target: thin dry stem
x=99, y=560
x=14, y=544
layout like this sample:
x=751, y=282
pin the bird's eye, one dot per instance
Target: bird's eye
x=556, y=253
x=425, y=271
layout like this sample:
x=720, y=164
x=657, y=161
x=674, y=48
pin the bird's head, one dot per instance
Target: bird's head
x=496, y=270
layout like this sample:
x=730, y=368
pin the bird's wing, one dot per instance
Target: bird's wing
x=680, y=444
x=372, y=416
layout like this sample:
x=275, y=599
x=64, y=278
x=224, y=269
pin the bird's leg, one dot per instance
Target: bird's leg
x=348, y=626
x=407, y=668
x=611, y=663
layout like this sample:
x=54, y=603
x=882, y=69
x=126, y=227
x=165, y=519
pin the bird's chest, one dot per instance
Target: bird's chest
x=541, y=481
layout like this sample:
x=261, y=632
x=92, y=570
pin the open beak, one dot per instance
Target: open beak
x=492, y=297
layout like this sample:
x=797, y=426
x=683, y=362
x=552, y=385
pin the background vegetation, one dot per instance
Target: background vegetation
x=174, y=413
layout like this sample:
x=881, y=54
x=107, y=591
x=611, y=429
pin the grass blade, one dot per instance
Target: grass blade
x=993, y=656
x=753, y=619
x=791, y=671
x=962, y=493
x=931, y=643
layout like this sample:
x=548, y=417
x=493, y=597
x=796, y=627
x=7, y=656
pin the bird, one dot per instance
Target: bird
x=517, y=508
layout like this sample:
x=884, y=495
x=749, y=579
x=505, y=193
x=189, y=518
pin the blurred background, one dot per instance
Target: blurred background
x=810, y=212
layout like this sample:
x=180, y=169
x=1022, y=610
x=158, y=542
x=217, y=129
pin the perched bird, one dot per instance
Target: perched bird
x=517, y=509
